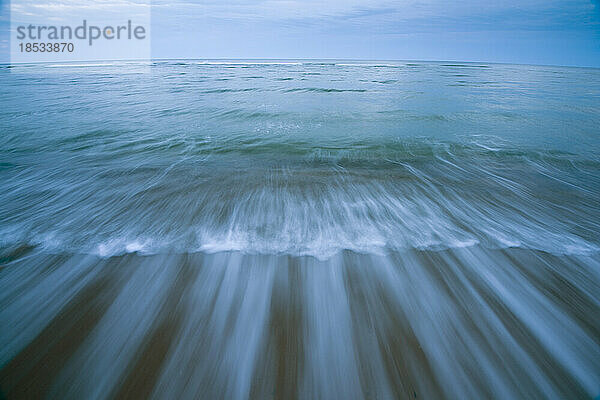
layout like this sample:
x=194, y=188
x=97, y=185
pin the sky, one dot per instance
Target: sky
x=553, y=32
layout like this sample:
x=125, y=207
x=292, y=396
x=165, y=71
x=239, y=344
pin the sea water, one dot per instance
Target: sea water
x=299, y=229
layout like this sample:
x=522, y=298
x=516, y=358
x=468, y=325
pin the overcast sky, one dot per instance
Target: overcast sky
x=562, y=32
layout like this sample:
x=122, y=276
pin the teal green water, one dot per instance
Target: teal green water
x=295, y=229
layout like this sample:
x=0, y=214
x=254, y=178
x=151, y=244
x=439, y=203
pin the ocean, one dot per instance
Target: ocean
x=299, y=229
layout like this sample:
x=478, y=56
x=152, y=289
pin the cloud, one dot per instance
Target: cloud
x=405, y=9
x=327, y=27
x=68, y=9
x=404, y=15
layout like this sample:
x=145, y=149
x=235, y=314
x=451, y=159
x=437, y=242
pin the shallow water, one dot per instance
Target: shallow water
x=299, y=230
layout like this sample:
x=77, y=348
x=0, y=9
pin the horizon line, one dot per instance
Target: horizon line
x=139, y=60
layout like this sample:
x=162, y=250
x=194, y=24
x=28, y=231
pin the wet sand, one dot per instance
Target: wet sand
x=461, y=323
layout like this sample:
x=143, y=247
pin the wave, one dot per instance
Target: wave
x=324, y=90
x=302, y=199
x=229, y=90
x=465, y=65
